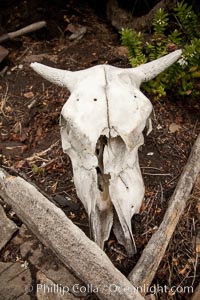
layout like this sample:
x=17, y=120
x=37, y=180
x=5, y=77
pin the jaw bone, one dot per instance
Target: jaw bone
x=101, y=130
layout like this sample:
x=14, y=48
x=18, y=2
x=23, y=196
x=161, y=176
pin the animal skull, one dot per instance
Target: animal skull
x=101, y=130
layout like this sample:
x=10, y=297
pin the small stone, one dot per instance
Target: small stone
x=78, y=34
x=8, y=228
x=121, y=51
x=14, y=281
x=159, y=127
x=62, y=201
x=66, y=202
x=150, y=153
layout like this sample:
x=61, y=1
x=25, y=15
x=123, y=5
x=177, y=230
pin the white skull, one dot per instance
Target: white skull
x=101, y=130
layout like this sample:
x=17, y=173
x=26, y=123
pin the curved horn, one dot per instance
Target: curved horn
x=150, y=70
x=56, y=76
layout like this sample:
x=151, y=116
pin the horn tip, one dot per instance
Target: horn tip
x=179, y=52
x=34, y=64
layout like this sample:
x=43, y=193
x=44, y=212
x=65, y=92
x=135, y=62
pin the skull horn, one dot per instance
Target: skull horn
x=60, y=77
x=151, y=69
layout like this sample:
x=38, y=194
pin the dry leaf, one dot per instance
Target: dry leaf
x=72, y=216
x=111, y=242
x=198, y=248
x=54, y=186
x=175, y=261
x=184, y=270
x=198, y=207
x=39, y=131
x=19, y=164
x=173, y=127
x=198, y=243
x=71, y=28
x=8, y=109
x=17, y=127
x=178, y=120
x=28, y=95
x=120, y=258
x=78, y=34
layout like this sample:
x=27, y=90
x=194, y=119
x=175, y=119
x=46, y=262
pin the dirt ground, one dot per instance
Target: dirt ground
x=30, y=136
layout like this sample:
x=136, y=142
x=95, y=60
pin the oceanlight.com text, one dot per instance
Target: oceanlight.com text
x=107, y=289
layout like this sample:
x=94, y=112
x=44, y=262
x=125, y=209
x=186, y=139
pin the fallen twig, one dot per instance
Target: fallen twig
x=37, y=155
x=22, y=31
x=157, y=174
x=33, y=102
x=4, y=100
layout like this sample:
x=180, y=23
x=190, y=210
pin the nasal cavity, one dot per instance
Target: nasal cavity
x=102, y=179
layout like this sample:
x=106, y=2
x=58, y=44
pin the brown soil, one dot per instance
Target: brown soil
x=26, y=132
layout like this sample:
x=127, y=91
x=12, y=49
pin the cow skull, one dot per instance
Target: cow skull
x=101, y=130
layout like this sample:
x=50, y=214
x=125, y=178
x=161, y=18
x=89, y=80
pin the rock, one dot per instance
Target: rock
x=121, y=51
x=62, y=201
x=45, y=261
x=23, y=233
x=15, y=281
x=47, y=289
x=77, y=31
x=66, y=202
x=7, y=228
x=196, y=295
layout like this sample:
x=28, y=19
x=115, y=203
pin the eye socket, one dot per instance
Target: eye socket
x=95, y=99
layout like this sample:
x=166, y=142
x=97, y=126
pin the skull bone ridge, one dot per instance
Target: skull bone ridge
x=101, y=130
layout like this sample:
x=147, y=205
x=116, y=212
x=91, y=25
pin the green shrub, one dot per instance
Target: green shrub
x=180, y=29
